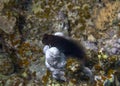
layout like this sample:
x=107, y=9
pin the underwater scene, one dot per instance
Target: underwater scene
x=59, y=42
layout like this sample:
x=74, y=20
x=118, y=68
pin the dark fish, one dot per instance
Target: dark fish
x=67, y=46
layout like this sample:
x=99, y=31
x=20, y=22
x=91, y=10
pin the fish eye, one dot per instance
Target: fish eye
x=45, y=38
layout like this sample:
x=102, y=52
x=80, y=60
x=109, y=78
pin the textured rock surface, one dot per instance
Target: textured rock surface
x=112, y=47
x=7, y=25
x=96, y=22
x=38, y=68
x=6, y=65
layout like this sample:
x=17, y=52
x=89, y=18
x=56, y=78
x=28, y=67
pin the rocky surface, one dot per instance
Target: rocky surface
x=6, y=65
x=95, y=23
x=112, y=47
